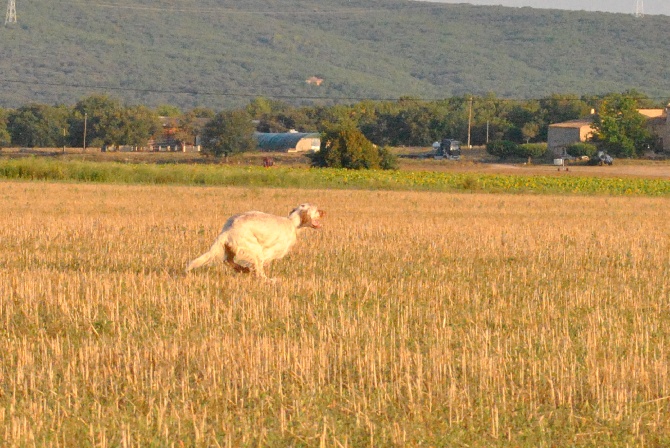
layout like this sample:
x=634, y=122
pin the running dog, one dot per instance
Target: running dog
x=258, y=238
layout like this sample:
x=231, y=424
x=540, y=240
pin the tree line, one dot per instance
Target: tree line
x=100, y=120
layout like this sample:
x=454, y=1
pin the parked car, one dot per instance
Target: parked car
x=602, y=158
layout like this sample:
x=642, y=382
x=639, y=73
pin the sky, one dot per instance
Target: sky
x=620, y=6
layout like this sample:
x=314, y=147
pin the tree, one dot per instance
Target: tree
x=168, y=110
x=488, y=121
x=530, y=131
x=38, y=125
x=560, y=108
x=5, y=139
x=229, y=132
x=519, y=116
x=108, y=123
x=278, y=116
x=621, y=127
x=202, y=112
x=347, y=147
x=103, y=118
x=187, y=129
x=140, y=124
x=260, y=107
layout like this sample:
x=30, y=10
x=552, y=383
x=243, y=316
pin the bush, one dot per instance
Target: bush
x=505, y=149
x=532, y=150
x=347, y=147
x=387, y=160
x=502, y=148
x=581, y=149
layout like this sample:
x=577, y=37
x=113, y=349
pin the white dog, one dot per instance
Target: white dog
x=258, y=238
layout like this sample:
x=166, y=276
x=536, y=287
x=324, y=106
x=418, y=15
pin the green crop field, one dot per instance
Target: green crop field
x=36, y=168
x=411, y=318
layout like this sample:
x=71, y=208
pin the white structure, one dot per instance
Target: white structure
x=11, y=12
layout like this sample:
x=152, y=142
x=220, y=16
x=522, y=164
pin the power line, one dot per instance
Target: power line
x=301, y=97
x=225, y=10
x=188, y=92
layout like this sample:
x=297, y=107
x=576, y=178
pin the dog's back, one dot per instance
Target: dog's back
x=260, y=235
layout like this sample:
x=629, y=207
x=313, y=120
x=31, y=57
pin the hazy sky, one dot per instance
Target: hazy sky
x=622, y=6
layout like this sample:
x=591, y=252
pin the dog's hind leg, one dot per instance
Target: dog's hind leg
x=229, y=258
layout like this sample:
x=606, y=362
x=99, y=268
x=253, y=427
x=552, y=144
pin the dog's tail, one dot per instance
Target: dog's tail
x=214, y=253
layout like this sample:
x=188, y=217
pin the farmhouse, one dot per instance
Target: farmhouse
x=561, y=135
x=288, y=141
x=178, y=136
x=659, y=125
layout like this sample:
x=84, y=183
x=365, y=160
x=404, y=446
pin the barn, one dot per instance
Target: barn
x=288, y=141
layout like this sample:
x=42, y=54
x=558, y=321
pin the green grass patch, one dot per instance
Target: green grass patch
x=280, y=177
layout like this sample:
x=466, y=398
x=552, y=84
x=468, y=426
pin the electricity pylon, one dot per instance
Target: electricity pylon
x=639, y=8
x=11, y=12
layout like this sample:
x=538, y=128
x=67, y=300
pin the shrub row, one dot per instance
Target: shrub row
x=506, y=149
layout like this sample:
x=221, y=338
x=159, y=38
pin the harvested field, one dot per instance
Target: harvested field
x=411, y=318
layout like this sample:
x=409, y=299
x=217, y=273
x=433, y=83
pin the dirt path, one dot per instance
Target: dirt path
x=660, y=171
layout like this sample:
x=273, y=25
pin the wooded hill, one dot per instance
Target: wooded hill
x=221, y=54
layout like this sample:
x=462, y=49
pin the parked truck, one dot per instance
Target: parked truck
x=448, y=149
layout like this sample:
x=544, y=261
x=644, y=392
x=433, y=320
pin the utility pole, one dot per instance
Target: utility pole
x=85, y=120
x=11, y=12
x=469, y=123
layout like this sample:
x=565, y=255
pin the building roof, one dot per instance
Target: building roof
x=652, y=113
x=574, y=124
x=175, y=122
x=282, y=141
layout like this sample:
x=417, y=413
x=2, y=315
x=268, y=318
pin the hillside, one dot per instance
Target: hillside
x=220, y=54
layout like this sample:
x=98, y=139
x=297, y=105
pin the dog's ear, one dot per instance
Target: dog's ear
x=297, y=208
x=304, y=217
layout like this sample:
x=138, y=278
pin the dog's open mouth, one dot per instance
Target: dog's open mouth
x=316, y=223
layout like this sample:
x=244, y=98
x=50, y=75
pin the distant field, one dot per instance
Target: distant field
x=473, y=173
x=474, y=160
x=411, y=318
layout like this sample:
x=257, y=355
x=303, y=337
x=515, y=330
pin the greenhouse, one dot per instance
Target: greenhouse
x=288, y=141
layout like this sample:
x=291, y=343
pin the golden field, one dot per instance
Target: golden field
x=410, y=319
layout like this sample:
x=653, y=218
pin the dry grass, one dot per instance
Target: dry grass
x=410, y=319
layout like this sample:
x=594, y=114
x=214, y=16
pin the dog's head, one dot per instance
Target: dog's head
x=308, y=214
